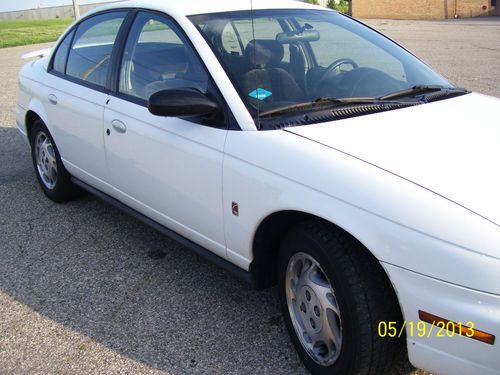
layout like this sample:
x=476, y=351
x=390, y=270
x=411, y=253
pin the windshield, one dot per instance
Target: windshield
x=289, y=57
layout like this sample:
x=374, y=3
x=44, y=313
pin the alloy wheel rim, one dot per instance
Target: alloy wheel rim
x=313, y=309
x=45, y=157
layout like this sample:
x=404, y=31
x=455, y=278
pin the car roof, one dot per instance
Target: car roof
x=192, y=7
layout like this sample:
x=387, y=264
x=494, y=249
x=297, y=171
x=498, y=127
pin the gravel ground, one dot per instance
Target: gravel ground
x=85, y=289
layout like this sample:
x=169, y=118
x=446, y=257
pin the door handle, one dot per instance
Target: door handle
x=119, y=126
x=53, y=99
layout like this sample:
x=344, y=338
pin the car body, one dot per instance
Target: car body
x=415, y=184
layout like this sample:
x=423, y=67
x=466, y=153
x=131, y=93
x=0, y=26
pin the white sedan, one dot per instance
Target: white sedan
x=295, y=146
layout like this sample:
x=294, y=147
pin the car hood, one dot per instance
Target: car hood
x=451, y=147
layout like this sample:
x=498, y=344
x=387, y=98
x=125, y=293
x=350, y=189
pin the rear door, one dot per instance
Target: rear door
x=76, y=95
x=167, y=168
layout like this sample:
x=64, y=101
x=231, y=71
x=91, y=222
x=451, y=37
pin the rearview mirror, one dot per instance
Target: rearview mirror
x=294, y=36
x=183, y=102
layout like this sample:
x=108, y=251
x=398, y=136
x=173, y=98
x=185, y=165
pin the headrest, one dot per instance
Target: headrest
x=263, y=52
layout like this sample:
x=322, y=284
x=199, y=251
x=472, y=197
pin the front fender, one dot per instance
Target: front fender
x=399, y=222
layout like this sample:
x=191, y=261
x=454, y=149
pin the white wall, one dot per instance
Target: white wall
x=64, y=11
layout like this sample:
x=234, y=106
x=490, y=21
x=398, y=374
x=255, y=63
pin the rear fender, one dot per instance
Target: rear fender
x=37, y=106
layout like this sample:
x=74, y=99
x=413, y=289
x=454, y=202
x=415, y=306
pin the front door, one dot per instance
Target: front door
x=167, y=168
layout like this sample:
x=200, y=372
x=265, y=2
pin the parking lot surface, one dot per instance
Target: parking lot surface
x=86, y=289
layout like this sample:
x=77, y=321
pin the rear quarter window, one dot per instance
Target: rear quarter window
x=61, y=56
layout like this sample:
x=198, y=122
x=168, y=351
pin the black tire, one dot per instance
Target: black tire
x=63, y=190
x=363, y=293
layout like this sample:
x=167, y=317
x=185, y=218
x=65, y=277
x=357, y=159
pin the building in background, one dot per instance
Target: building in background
x=424, y=9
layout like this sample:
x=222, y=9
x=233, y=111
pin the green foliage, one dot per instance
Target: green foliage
x=315, y=2
x=342, y=6
x=22, y=32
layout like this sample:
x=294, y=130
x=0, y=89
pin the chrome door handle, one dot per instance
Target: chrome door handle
x=119, y=126
x=53, y=99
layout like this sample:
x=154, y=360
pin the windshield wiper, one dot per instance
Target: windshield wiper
x=420, y=89
x=322, y=102
x=385, y=102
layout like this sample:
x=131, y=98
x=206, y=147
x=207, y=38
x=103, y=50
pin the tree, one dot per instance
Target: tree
x=341, y=5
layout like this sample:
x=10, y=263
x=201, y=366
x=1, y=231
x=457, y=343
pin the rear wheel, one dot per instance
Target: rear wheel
x=54, y=179
x=333, y=294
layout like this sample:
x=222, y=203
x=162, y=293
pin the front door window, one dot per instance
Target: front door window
x=158, y=58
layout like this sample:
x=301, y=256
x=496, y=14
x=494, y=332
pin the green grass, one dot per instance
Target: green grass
x=23, y=32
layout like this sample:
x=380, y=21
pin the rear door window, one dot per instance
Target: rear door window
x=90, y=54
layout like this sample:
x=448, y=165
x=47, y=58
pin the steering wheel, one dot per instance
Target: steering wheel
x=334, y=65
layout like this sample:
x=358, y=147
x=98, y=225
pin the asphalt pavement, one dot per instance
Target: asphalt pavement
x=85, y=289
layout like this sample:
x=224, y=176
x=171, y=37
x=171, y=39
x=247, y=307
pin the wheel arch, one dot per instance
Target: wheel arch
x=267, y=241
x=31, y=117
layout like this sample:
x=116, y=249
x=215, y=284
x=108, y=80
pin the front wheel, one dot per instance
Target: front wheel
x=50, y=172
x=333, y=294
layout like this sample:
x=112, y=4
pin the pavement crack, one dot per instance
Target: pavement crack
x=51, y=247
x=486, y=48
